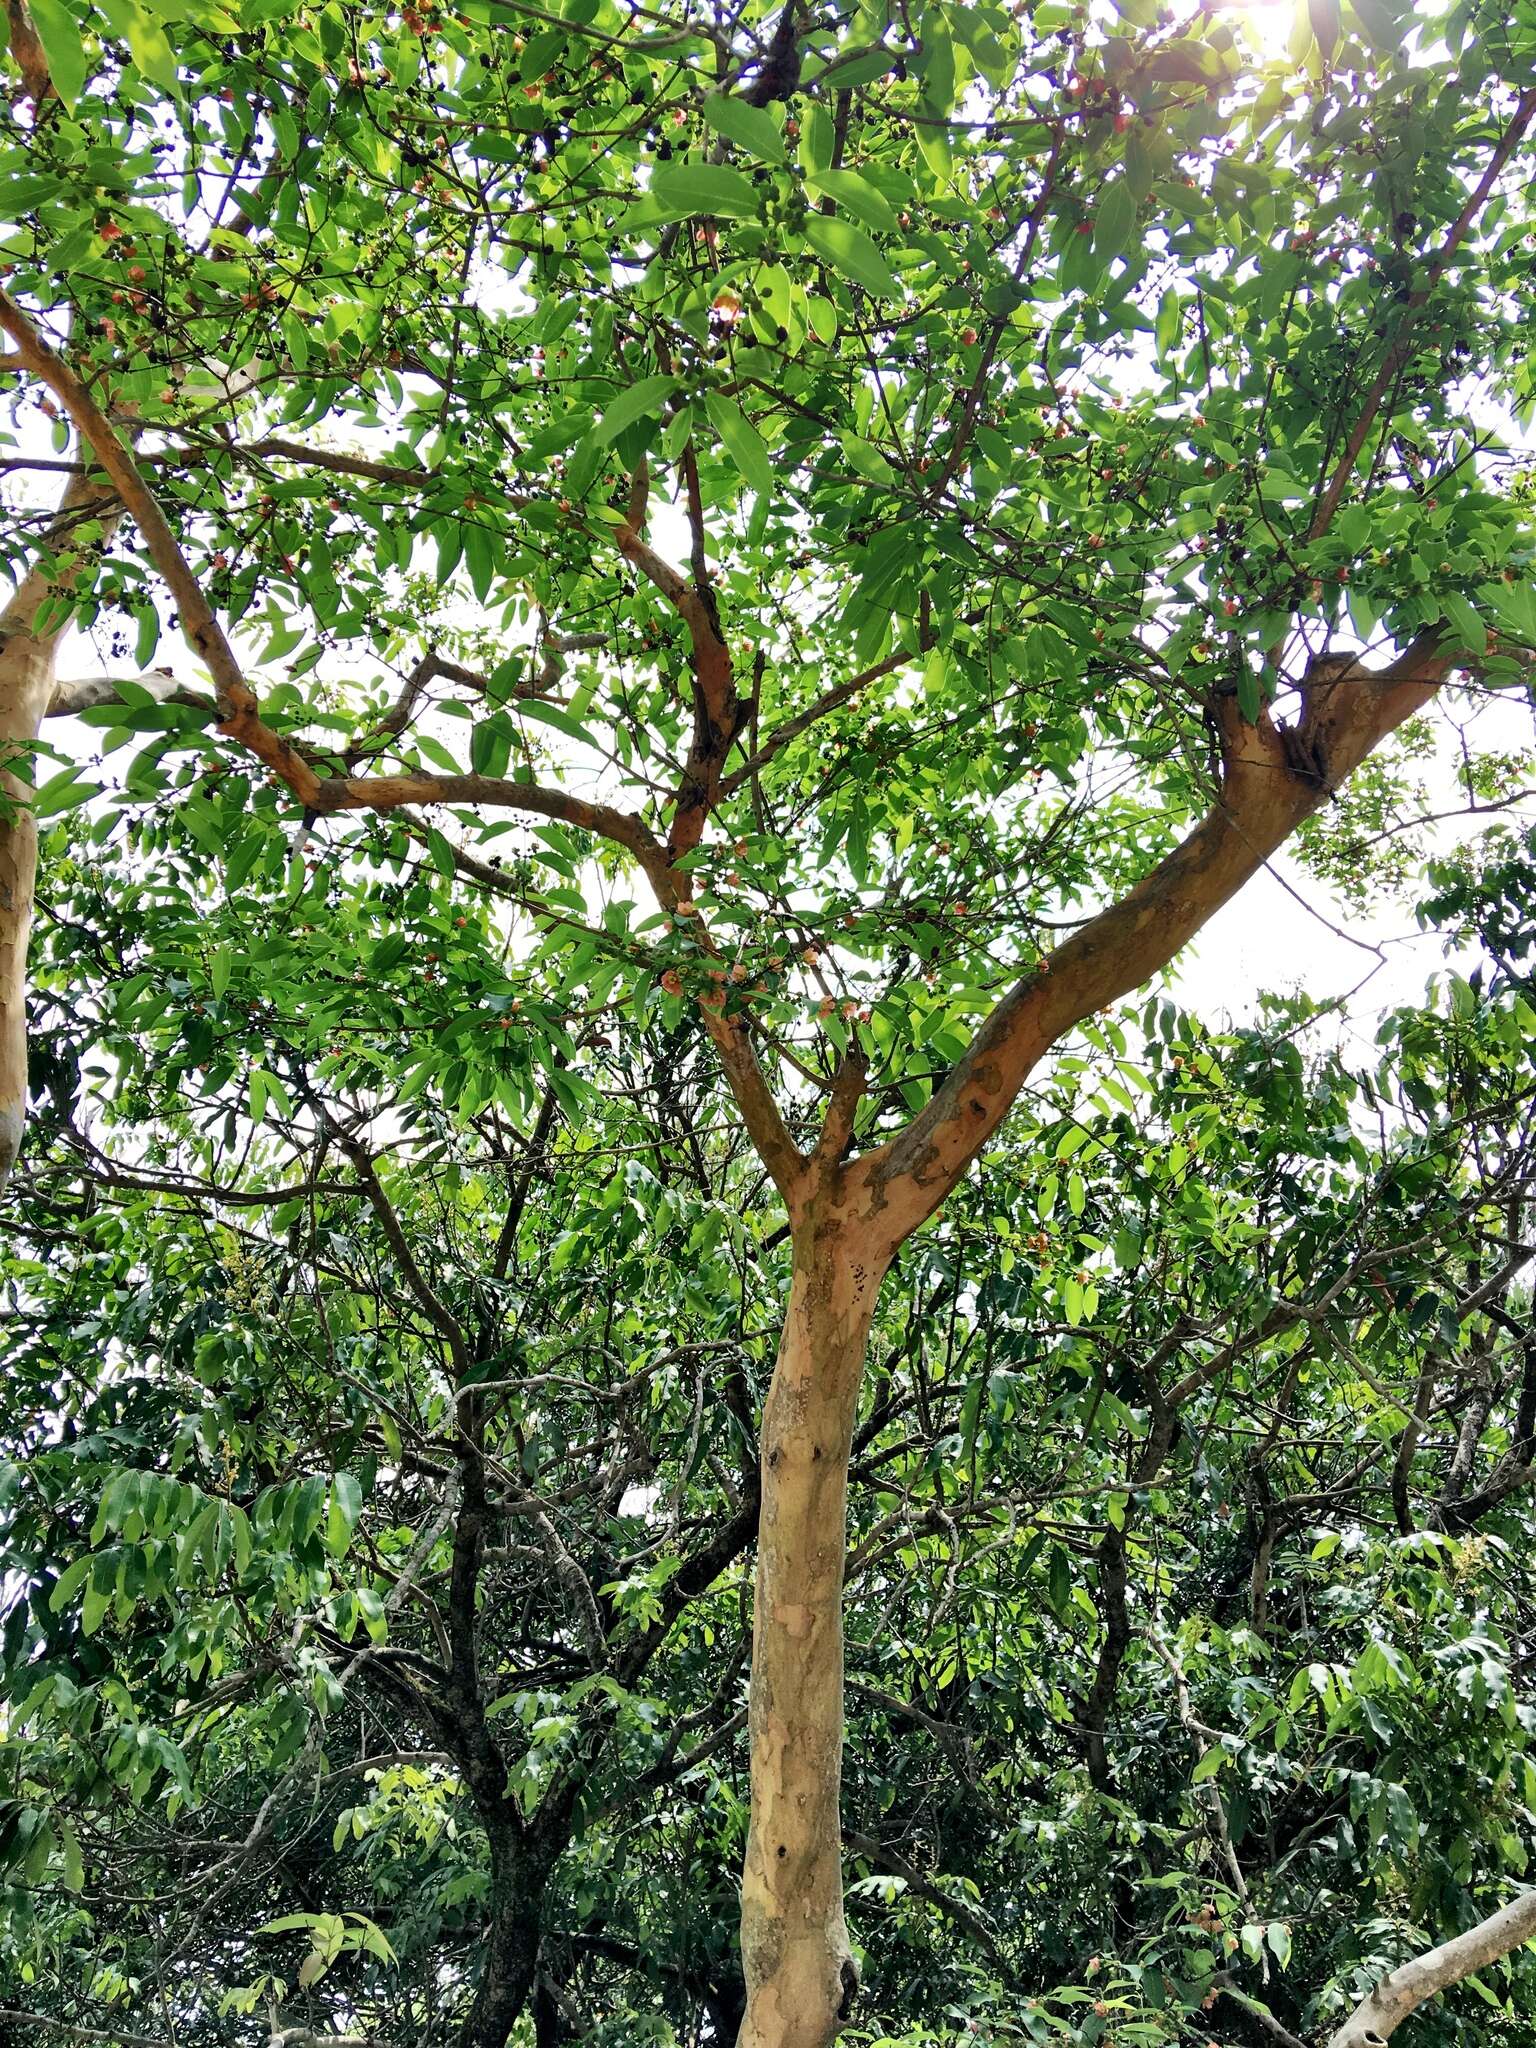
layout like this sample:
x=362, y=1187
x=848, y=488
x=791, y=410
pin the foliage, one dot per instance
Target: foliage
x=234, y=1435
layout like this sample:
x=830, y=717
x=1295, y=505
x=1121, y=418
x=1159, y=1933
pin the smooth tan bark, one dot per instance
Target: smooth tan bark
x=799, y=1969
x=1262, y=800
x=25, y=683
x=26, y=691
x=1403, y=1990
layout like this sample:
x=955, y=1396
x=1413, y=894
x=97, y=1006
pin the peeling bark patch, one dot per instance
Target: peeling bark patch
x=849, y=1978
x=798, y=1620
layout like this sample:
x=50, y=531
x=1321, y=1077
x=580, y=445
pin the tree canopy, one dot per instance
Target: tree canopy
x=690, y=605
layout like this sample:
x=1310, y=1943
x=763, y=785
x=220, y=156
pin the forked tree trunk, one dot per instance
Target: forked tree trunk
x=799, y=1968
x=848, y=1222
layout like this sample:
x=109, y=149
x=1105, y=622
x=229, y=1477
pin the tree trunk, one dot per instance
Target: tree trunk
x=26, y=677
x=799, y=1969
x=26, y=687
x=509, y=1956
x=1402, y=1991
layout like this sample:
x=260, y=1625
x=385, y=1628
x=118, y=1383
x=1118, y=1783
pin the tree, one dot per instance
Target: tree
x=1038, y=395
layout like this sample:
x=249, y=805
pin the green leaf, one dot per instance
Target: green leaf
x=849, y=250
x=345, y=1506
x=1324, y=16
x=754, y=128
x=689, y=188
x=71, y=1858
x=63, y=792
x=743, y=443
x=68, y=1583
x=1381, y=22
x=858, y=197
x=817, y=137
x=641, y=401
x=64, y=45
x=1170, y=322
x=1115, y=222
x=556, y=716
x=1138, y=164
x=151, y=48
x=490, y=745
x=1463, y=615
x=1058, y=1580
x=822, y=315
x=933, y=146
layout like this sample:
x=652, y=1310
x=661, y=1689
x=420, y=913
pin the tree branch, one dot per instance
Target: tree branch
x=1403, y=1990
x=390, y=792
x=27, y=49
x=1400, y=350
x=1261, y=802
x=436, y=1309
x=115, y=2036
x=240, y=716
x=83, y=693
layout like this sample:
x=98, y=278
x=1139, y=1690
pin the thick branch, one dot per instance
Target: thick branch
x=271, y=446
x=390, y=792
x=732, y=1040
x=28, y=651
x=116, y=2037
x=717, y=708
x=1403, y=1990
x=72, y=695
x=28, y=53
x=1261, y=803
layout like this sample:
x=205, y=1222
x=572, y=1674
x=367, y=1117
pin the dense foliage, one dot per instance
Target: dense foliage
x=1189, y=1610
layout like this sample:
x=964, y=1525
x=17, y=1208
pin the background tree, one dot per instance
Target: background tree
x=1042, y=384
